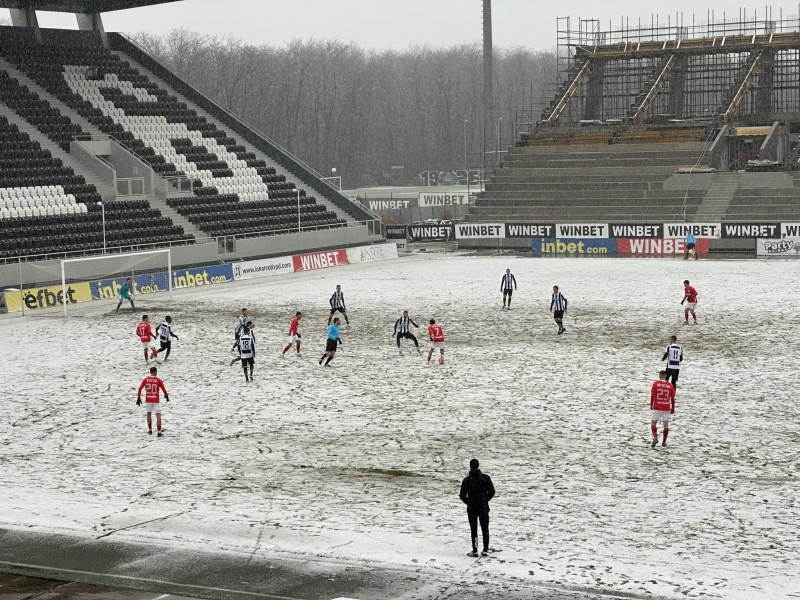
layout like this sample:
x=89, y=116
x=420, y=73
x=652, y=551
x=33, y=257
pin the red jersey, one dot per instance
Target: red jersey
x=144, y=331
x=436, y=333
x=152, y=385
x=293, y=327
x=690, y=294
x=662, y=395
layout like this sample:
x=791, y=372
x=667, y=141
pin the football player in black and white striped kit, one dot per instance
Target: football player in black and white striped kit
x=674, y=357
x=337, y=305
x=165, y=335
x=247, y=350
x=402, y=329
x=507, y=285
x=240, y=324
x=558, y=306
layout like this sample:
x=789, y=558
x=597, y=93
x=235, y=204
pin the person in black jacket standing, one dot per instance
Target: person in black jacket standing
x=476, y=491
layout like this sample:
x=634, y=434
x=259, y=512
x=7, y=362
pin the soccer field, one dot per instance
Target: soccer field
x=362, y=461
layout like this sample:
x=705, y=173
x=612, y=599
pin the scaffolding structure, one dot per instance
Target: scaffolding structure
x=724, y=69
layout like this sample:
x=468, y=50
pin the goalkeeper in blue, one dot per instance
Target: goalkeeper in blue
x=126, y=293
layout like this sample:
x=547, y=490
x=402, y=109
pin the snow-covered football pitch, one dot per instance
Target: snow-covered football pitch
x=362, y=461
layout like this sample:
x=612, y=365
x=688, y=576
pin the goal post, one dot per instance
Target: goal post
x=102, y=276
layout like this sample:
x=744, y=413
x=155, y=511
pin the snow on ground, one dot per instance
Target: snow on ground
x=362, y=461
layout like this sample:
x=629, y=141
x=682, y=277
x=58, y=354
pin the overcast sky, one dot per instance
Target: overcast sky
x=394, y=23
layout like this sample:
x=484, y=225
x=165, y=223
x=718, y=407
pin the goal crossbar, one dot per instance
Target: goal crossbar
x=65, y=261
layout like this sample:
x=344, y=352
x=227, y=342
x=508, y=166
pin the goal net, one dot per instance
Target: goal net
x=66, y=285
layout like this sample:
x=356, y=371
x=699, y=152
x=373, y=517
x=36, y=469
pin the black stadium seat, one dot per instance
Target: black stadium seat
x=153, y=124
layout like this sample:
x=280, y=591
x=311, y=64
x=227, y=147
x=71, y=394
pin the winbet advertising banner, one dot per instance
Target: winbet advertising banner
x=319, y=260
x=150, y=283
x=573, y=247
x=47, y=297
x=659, y=247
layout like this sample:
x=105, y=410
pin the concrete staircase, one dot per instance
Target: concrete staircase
x=601, y=182
x=718, y=198
x=106, y=191
x=239, y=140
x=177, y=218
x=34, y=87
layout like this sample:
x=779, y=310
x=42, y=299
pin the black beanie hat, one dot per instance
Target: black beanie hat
x=473, y=464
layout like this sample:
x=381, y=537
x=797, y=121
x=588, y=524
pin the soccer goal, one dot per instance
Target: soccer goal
x=58, y=286
x=103, y=278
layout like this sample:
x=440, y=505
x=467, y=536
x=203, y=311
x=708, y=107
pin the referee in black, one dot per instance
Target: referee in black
x=402, y=329
x=558, y=306
x=507, y=285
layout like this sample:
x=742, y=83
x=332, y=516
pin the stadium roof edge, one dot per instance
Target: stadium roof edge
x=80, y=6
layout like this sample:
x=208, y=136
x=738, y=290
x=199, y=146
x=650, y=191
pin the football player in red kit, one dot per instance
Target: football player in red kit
x=689, y=296
x=294, y=334
x=153, y=386
x=662, y=406
x=145, y=333
x=436, y=335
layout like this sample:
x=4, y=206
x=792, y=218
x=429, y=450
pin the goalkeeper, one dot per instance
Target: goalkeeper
x=126, y=293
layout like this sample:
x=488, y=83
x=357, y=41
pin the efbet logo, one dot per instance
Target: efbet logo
x=44, y=298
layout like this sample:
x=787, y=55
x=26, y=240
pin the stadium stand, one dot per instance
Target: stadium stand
x=659, y=125
x=46, y=208
x=567, y=182
x=279, y=156
x=233, y=190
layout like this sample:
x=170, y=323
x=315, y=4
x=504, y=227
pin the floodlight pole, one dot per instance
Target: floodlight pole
x=465, y=145
x=103, y=212
x=298, y=208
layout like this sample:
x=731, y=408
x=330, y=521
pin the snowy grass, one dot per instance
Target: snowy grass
x=362, y=462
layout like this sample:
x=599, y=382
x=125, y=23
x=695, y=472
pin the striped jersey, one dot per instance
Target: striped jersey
x=508, y=281
x=403, y=325
x=558, y=302
x=247, y=344
x=673, y=355
x=165, y=332
x=337, y=300
x=240, y=323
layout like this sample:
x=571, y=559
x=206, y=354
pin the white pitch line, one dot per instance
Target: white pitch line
x=146, y=580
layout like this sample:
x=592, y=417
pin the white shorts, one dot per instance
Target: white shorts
x=149, y=344
x=660, y=415
x=294, y=338
x=437, y=345
x=691, y=305
x=153, y=407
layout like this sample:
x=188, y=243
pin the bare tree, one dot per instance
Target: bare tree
x=362, y=111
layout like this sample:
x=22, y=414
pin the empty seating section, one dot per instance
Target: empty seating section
x=599, y=183
x=662, y=136
x=765, y=204
x=587, y=136
x=553, y=136
x=46, y=208
x=276, y=154
x=163, y=131
x=37, y=112
x=225, y=215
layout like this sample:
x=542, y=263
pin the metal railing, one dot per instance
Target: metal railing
x=130, y=186
x=177, y=185
x=374, y=227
